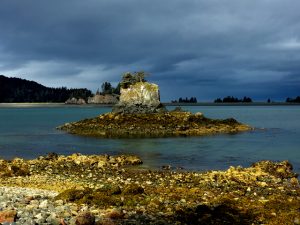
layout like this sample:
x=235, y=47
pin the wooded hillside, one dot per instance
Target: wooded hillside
x=21, y=90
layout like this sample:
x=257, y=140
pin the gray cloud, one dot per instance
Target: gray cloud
x=206, y=49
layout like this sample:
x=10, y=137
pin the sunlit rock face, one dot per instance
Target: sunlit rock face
x=141, y=97
x=140, y=93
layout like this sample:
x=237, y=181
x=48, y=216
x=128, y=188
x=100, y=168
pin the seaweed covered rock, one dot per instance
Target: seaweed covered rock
x=56, y=164
x=85, y=218
x=14, y=168
x=282, y=169
x=107, y=195
x=115, y=125
x=87, y=194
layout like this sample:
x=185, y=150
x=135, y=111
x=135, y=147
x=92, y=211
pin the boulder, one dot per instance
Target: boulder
x=8, y=216
x=85, y=218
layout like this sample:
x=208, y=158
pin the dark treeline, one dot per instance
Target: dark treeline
x=231, y=99
x=293, y=100
x=186, y=100
x=132, y=78
x=107, y=88
x=20, y=90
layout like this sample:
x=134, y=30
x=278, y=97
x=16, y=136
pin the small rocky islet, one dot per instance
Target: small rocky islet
x=139, y=113
x=167, y=124
x=102, y=189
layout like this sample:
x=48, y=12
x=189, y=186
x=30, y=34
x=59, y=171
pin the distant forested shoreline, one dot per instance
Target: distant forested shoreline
x=293, y=100
x=21, y=90
x=17, y=90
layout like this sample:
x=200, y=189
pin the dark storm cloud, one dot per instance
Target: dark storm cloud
x=203, y=48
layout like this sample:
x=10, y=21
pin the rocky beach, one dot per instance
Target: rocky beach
x=103, y=189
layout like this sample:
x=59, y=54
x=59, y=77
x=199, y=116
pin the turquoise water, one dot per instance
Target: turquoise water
x=30, y=131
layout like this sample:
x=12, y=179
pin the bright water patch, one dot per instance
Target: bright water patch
x=30, y=131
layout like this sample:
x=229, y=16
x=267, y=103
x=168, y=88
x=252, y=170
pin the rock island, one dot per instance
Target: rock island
x=139, y=113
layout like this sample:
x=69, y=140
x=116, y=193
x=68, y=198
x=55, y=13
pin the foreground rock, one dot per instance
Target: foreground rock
x=80, y=189
x=153, y=125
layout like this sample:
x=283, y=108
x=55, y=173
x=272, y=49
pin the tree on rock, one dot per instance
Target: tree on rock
x=140, y=76
x=132, y=78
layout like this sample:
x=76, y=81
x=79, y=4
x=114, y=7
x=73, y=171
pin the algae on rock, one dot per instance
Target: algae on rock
x=114, y=125
x=265, y=193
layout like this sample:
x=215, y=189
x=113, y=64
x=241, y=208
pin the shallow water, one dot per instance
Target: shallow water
x=29, y=131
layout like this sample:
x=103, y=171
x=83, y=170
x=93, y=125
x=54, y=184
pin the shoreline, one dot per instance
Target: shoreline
x=112, y=190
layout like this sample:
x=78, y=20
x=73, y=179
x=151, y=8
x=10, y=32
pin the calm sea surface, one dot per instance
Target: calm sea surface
x=30, y=131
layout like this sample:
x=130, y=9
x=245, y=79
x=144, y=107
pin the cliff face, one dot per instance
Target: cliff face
x=103, y=99
x=140, y=93
x=141, y=97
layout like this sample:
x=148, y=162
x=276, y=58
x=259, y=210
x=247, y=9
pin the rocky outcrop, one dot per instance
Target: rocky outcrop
x=75, y=101
x=140, y=97
x=115, y=125
x=103, y=99
x=139, y=113
x=140, y=93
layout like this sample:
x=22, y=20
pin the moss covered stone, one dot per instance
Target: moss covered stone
x=103, y=197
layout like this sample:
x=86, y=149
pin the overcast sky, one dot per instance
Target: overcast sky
x=201, y=48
